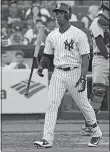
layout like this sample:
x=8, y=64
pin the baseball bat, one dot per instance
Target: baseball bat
x=37, y=48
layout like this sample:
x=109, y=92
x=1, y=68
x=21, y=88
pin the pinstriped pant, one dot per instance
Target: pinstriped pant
x=59, y=83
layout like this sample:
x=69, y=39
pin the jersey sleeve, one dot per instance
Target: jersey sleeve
x=48, y=45
x=96, y=30
x=84, y=47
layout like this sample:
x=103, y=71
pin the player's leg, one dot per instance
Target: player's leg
x=100, y=73
x=55, y=94
x=100, y=80
x=98, y=93
x=82, y=102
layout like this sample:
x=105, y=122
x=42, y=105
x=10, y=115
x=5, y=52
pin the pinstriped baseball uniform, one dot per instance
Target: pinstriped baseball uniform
x=67, y=49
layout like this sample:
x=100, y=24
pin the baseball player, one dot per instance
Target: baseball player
x=70, y=48
x=100, y=64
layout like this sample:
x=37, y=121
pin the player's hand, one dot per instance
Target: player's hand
x=81, y=83
x=39, y=71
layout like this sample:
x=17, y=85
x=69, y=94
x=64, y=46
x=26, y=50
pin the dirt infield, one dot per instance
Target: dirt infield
x=18, y=136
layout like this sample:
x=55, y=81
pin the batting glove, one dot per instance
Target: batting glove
x=39, y=71
x=81, y=83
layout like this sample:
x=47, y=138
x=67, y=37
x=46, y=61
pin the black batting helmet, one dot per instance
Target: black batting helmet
x=64, y=7
x=105, y=4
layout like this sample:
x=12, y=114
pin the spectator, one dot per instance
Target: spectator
x=73, y=18
x=30, y=23
x=51, y=5
x=4, y=2
x=32, y=33
x=29, y=33
x=51, y=24
x=37, y=13
x=17, y=37
x=92, y=13
x=4, y=36
x=14, y=14
x=4, y=32
x=4, y=60
x=4, y=29
x=19, y=63
x=43, y=10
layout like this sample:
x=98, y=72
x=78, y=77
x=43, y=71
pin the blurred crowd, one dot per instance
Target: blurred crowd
x=18, y=62
x=20, y=26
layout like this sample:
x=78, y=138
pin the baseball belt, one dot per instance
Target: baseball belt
x=66, y=69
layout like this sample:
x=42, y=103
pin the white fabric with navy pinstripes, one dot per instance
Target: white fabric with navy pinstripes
x=60, y=82
x=66, y=80
x=64, y=57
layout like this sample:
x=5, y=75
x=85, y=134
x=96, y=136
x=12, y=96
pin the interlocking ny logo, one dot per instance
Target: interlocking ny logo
x=68, y=45
x=34, y=88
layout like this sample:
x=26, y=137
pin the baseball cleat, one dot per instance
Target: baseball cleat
x=42, y=144
x=94, y=141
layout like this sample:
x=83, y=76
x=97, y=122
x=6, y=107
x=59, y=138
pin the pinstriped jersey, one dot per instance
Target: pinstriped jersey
x=67, y=47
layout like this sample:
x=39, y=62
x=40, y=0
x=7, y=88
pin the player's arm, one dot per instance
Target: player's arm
x=101, y=46
x=85, y=65
x=84, y=49
x=84, y=70
x=98, y=34
x=46, y=58
x=84, y=52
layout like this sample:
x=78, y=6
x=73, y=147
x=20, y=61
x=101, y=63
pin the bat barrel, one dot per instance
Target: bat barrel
x=39, y=40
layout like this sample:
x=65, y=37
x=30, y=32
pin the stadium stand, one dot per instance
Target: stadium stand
x=80, y=9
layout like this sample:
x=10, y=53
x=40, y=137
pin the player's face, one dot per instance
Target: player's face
x=19, y=59
x=60, y=16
